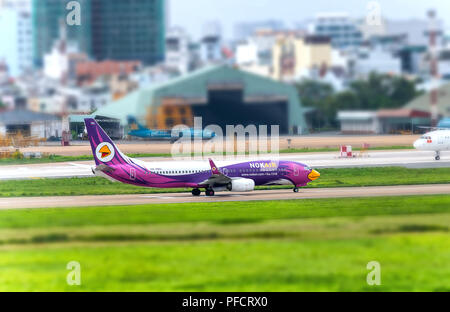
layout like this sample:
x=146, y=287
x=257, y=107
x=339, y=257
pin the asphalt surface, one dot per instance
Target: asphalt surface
x=405, y=158
x=111, y=200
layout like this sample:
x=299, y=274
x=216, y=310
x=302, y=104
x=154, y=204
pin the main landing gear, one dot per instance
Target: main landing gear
x=197, y=192
x=295, y=189
x=438, y=155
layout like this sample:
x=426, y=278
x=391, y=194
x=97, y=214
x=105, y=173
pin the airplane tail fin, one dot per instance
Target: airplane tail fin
x=103, y=148
x=214, y=168
x=134, y=124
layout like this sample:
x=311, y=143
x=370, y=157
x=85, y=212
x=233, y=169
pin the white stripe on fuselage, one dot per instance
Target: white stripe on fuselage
x=174, y=168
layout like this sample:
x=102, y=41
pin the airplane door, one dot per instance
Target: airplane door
x=440, y=140
x=132, y=174
x=296, y=171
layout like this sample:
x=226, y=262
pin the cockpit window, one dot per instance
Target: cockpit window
x=307, y=168
x=426, y=137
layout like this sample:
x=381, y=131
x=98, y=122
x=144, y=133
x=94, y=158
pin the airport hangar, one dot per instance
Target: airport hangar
x=221, y=95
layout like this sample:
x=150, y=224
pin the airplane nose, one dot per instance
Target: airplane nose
x=416, y=144
x=313, y=175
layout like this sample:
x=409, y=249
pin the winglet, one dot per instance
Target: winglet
x=214, y=168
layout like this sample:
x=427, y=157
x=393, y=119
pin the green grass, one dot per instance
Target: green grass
x=298, y=245
x=223, y=212
x=376, y=176
x=59, y=158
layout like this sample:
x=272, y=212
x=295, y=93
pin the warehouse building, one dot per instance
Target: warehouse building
x=383, y=121
x=221, y=95
x=30, y=123
x=423, y=102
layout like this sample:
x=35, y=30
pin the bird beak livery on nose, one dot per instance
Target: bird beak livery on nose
x=313, y=175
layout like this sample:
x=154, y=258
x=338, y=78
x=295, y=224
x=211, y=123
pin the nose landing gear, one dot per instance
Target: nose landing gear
x=296, y=189
x=438, y=155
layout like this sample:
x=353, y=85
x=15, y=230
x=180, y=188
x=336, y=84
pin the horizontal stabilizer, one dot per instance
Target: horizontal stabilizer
x=104, y=168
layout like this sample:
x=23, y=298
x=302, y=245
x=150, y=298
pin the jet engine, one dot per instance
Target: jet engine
x=241, y=185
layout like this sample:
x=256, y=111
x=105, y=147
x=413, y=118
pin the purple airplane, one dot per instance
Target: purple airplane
x=238, y=177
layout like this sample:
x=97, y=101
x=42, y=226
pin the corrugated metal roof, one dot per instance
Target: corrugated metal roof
x=79, y=118
x=196, y=84
x=24, y=116
x=403, y=113
x=356, y=115
x=423, y=102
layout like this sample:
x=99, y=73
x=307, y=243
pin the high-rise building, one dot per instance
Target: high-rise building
x=110, y=29
x=178, y=54
x=15, y=40
x=19, y=5
x=47, y=16
x=340, y=28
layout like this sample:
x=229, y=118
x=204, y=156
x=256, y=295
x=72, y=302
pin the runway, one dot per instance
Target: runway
x=406, y=158
x=112, y=200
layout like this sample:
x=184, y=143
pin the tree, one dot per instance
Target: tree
x=376, y=92
x=317, y=95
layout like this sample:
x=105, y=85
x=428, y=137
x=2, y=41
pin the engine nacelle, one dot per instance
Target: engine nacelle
x=241, y=185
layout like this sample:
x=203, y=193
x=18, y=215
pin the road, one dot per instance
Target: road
x=407, y=158
x=111, y=200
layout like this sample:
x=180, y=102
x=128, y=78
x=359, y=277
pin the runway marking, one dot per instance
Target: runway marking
x=159, y=197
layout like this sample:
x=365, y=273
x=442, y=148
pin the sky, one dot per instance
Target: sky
x=192, y=14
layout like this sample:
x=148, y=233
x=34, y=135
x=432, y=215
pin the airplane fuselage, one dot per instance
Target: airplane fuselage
x=112, y=164
x=194, y=174
x=436, y=141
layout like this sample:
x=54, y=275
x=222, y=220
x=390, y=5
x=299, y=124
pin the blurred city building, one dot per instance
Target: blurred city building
x=16, y=40
x=60, y=63
x=293, y=54
x=29, y=123
x=366, y=61
x=88, y=72
x=179, y=54
x=110, y=29
x=211, y=43
x=245, y=30
x=18, y=5
x=343, y=30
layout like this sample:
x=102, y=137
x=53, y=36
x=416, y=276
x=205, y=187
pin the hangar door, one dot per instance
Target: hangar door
x=227, y=106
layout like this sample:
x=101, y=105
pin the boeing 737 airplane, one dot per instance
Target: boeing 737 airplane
x=436, y=141
x=237, y=177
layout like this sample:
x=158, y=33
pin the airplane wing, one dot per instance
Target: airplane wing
x=217, y=178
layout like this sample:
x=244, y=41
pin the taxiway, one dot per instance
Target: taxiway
x=138, y=199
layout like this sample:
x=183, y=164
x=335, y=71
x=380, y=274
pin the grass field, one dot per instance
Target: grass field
x=329, y=178
x=58, y=158
x=298, y=245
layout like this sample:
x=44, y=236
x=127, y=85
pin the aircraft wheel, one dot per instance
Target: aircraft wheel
x=296, y=190
x=437, y=157
x=196, y=192
x=209, y=192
